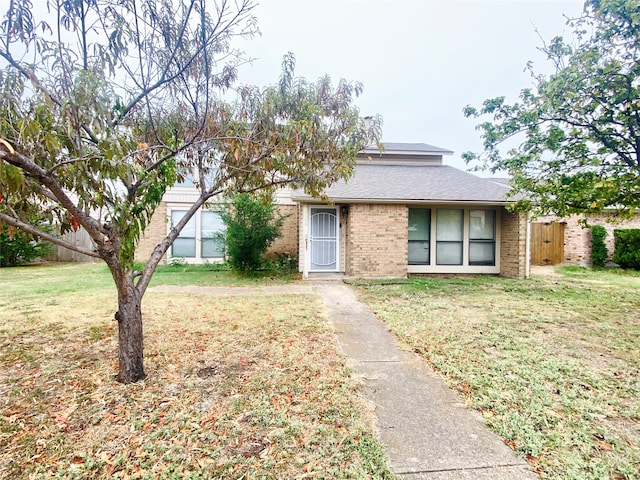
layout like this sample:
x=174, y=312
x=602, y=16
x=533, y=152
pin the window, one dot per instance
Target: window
x=197, y=240
x=185, y=244
x=449, y=236
x=482, y=237
x=453, y=240
x=211, y=224
x=419, y=236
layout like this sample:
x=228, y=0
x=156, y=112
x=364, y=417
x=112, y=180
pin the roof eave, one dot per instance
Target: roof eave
x=307, y=199
x=375, y=151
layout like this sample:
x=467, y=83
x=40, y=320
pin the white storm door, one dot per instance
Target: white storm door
x=323, y=238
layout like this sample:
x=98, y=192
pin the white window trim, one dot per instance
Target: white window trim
x=465, y=267
x=197, y=260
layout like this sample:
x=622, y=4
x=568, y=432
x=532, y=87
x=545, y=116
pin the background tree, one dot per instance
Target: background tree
x=579, y=130
x=251, y=225
x=111, y=102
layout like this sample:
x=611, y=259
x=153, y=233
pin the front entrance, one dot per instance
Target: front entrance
x=547, y=243
x=323, y=239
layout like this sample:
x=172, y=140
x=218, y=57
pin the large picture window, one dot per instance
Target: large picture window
x=419, y=236
x=198, y=239
x=453, y=240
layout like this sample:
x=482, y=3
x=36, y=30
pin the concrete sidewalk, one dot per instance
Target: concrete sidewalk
x=427, y=431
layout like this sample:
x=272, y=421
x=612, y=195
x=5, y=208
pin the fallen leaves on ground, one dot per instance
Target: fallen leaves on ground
x=241, y=387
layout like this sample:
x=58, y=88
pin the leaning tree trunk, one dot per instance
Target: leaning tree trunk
x=130, y=340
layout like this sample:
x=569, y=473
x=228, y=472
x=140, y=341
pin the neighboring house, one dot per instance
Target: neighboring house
x=403, y=212
x=557, y=240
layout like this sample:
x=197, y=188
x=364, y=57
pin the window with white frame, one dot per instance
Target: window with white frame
x=449, y=236
x=419, y=236
x=211, y=224
x=452, y=238
x=198, y=239
x=482, y=237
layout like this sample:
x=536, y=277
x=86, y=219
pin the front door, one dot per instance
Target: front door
x=323, y=238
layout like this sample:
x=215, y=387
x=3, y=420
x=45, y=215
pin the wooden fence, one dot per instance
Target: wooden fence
x=81, y=239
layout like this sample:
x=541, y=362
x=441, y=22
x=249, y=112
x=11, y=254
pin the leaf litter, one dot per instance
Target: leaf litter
x=238, y=387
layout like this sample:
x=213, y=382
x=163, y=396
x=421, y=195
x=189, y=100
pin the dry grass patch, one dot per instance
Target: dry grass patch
x=553, y=364
x=237, y=387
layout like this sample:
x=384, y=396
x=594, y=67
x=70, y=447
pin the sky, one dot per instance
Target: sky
x=421, y=61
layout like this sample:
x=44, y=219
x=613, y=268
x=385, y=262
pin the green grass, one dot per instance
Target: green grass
x=553, y=364
x=217, y=275
x=238, y=387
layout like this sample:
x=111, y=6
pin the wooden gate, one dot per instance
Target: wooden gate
x=547, y=243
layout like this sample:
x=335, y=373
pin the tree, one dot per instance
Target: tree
x=106, y=103
x=251, y=225
x=578, y=131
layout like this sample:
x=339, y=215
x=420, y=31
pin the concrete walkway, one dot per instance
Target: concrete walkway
x=427, y=431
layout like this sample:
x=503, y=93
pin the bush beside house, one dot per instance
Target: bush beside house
x=599, y=252
x=251, y=225
x=627, y=249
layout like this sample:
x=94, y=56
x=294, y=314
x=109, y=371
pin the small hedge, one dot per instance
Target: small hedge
x=599, y=252
x=627, y=248
x=18, y=247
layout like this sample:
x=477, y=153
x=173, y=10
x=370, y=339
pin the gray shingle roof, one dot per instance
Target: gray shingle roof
x=419, y=183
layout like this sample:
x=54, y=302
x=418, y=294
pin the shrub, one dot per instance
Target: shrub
x=627, y=248
x=599, y=252
x=18, y=247
x=252, y=224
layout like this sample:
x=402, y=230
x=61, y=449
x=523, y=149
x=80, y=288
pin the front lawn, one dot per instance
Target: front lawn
x=238, y=386
x=552, y=364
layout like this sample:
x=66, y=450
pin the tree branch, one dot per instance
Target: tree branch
x=33, y=170
x=46, y=236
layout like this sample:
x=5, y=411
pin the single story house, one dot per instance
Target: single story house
x=403, y=212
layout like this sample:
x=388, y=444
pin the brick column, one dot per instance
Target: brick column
x=513, y=244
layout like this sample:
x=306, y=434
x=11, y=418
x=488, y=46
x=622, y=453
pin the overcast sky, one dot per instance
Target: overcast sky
x=420, y=61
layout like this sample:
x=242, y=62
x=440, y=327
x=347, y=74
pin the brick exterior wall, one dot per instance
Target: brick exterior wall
x=513, y=244
x=287, y=242
x=376, y=240
x=153, y=234
x=577, y=239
